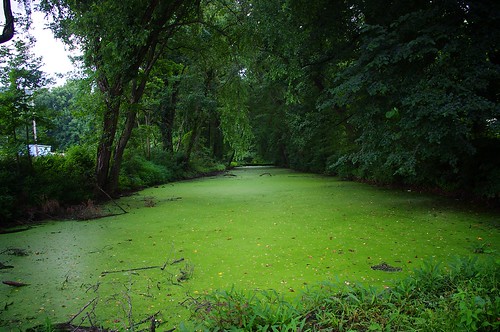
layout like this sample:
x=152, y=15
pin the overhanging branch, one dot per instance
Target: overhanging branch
x=8, y=30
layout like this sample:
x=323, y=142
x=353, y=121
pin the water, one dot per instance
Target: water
x=264, y=228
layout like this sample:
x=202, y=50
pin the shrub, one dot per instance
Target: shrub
x=252, y=311
x=7, y=190
x=67, y=178
x=463, y=296
x=79, y=165
x=137, y=172
x=45, y=186
x=173, y=162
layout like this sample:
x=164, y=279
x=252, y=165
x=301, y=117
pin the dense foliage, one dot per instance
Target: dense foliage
x=397, y=93
x=401, y=92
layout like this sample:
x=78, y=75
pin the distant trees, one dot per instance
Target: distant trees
x=121, y=42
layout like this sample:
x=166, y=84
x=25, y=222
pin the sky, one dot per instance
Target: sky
x=55, y=56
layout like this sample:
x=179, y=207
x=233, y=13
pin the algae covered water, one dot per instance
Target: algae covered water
x=251, y=228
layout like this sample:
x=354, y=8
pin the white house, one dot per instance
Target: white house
x=37, y=150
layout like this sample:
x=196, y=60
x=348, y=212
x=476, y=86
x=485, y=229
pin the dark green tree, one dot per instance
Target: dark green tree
x=422, y=94
x=73, y=110
x=121, y=42
x=20, y=81
x=388, y=91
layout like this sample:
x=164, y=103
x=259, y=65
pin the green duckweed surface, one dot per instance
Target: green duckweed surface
x=262, y=228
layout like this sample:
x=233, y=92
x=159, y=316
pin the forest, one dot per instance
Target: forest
x=370, y=138
x=399, y=93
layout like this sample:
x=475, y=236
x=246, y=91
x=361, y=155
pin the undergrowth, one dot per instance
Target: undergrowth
x=463, y=296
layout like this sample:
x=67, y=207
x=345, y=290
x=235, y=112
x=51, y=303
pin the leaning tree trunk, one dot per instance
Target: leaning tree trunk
x=192, y=139
x=137, y=92
x=156, y=21
x=114, y=174
x=167, y=127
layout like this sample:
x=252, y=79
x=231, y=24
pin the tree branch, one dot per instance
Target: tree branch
x=8, y=30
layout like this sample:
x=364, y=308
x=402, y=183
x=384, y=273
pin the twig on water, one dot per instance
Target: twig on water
x=82, y=309
x=172, y=248
x=111, y=199
x=129, y=270
x=14, y=283
x=177, y=261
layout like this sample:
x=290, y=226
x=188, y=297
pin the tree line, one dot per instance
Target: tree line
x=389, y=92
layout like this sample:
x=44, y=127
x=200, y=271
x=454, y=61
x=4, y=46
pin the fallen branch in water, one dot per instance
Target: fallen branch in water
x=3, y=266
x=134, y=269
x=81, y=310
x=151, y=319
x=386, y=267
x=112, y=200
x=14, y=283
x=177, y=261
x=168, y=257
x=15, y=252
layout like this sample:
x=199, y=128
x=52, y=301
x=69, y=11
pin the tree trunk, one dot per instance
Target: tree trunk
x=156, y=21
x=168, y=115
x=137, y=91
x=216, y=138
x=192, y=139
x=114, y=173
x=104, y=150
x=148, y=138
x=167, y=126
x=230, y=160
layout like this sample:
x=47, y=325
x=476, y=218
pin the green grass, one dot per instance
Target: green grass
x=463, y=296
x=282, y=233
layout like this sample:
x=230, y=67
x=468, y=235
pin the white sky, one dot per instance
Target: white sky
x=55, y=57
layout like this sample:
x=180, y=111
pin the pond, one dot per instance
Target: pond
x=251, y=228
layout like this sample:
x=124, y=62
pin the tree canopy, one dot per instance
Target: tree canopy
x=389, y=92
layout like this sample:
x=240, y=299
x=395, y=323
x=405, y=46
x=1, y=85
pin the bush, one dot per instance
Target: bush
x=175, y=163
x=137, y=172
x=7, y=190
x=237, y=310
x=79, y=165
x=45, y=186
x=463, y=296
x=66, y=178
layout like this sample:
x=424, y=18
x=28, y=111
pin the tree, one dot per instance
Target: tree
x=197, y=85
x=73, y=110
x=387, y=91
x=121, y=41
x=299, y=51
x=20, y=81
x=421, y=89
